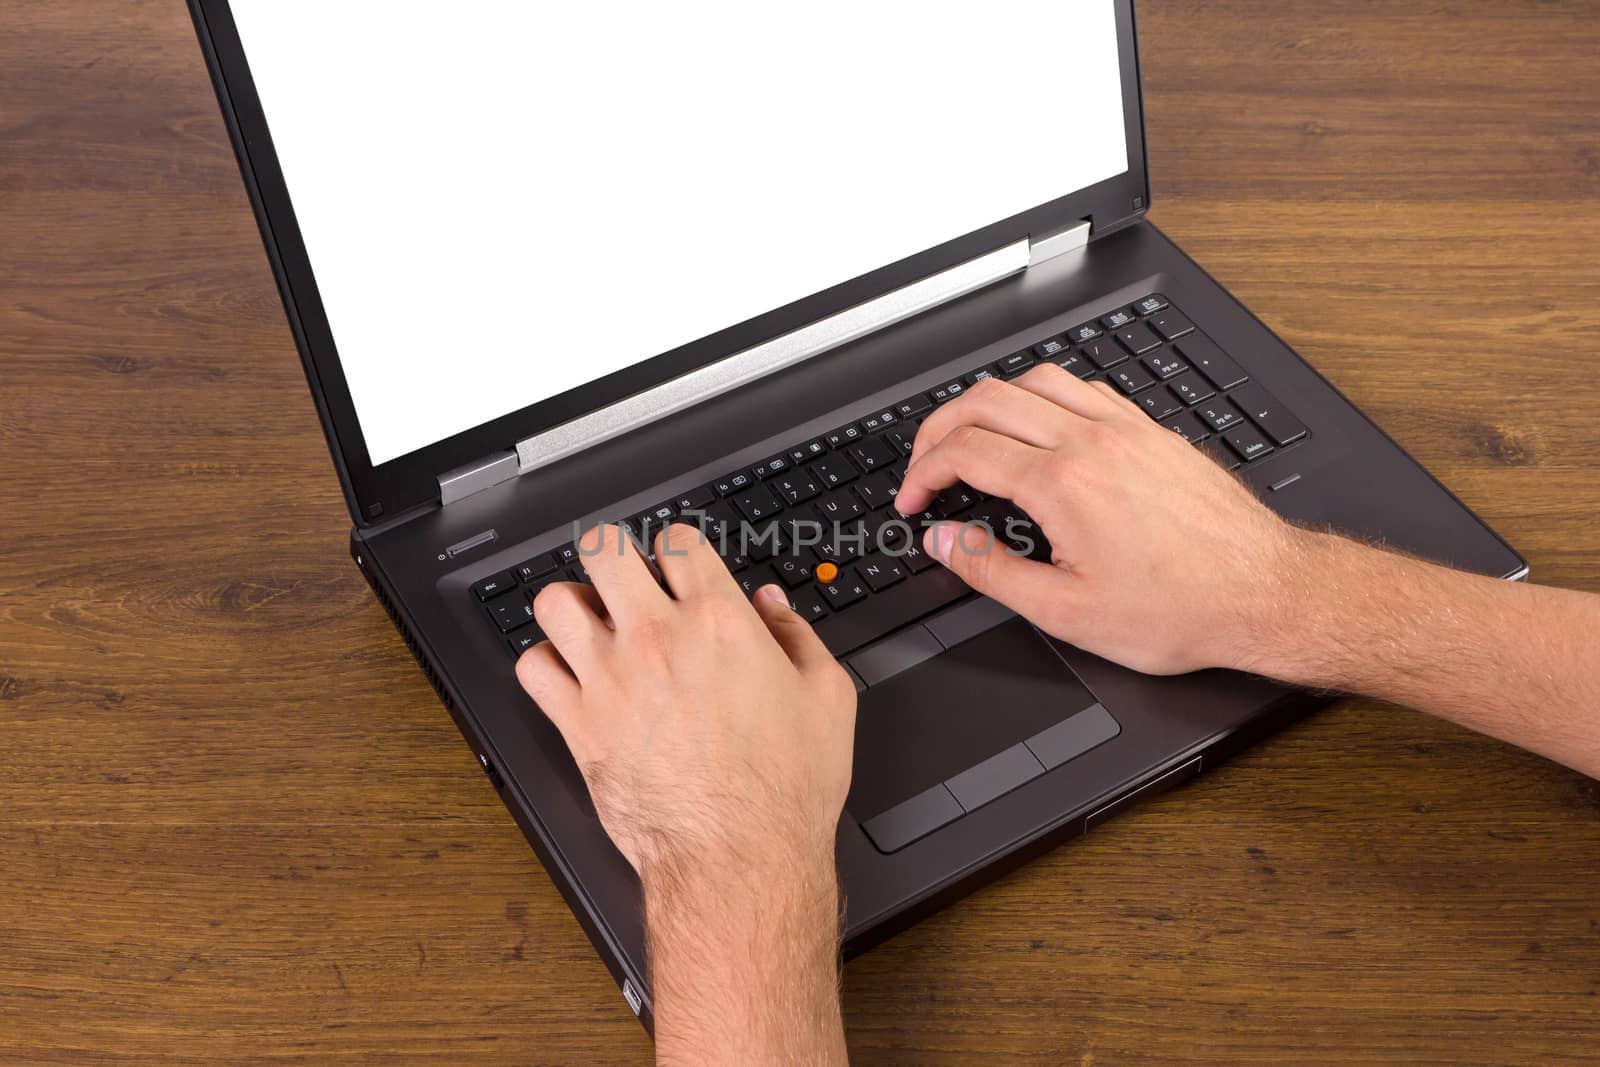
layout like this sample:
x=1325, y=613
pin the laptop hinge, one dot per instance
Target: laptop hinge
x=1051, y=245
x=464, y=481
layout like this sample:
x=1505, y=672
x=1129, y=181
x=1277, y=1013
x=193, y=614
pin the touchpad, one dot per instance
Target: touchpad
x=960, y=720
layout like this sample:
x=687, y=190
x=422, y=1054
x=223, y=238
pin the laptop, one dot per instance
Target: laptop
x=714, y=263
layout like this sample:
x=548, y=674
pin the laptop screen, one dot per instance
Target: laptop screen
x=503, y=201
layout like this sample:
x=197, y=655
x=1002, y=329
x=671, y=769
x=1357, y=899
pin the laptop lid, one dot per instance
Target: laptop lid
x=523, y=217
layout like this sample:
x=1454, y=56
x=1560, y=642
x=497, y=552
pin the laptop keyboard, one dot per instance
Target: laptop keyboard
x=816, y=517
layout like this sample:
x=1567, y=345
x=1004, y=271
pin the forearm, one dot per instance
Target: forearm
x=1511, y=660
x=744, y=958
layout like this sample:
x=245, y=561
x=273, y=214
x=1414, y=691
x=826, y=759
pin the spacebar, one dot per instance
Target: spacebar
x=869, y=619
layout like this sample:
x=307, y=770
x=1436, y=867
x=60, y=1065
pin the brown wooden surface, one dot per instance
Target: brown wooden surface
x=235, y=824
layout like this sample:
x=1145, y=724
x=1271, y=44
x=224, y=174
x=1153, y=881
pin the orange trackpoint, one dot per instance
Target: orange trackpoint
x=827, y=572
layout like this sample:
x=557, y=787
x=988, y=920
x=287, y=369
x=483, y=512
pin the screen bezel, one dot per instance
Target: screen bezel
x=377, y=493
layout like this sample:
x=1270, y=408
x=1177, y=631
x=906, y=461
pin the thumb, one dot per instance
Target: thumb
x=804, y=648
x=1028, y=587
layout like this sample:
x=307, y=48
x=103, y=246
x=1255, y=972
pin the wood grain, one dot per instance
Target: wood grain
x=237, y=827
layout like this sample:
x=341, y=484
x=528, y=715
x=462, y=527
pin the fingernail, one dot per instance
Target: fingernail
x=941, y=538
x=773, y=595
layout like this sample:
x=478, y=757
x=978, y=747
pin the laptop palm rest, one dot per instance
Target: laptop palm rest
x=964, y=727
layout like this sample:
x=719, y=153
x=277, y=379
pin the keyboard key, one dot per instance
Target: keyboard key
x=910, y=409
x=902, y=439
x=808, y=451
x=880, y=420
x=977, y=376
x=1159, y=403
x=1050, y=346
x=1117, y=319
x=797, y=486
x=872, y=454
x=1210, y=360
x=955, y=501
x=754, y=579
x=833, y=471
x=891, y=534
x=567, y=554
x=792, y=571
x=844, y=590
x=1219, y=415
x=1188, y=427
x=1076, y=362
x=807, y=603
x=758, y=504
x=1191, y=389
x=775, y=465
x=763, y=540
x=734, y=483
x=510, y=612
x=1275, y=420
x=535, y=568
x=880, y=572
x=1103, y=353
x=1137, y=338
x=719, y=521
x=840, y=506
x=1087, y=332
x=1150, y=305
x=1131, y=378
x=914, y=557
x=948, y=391
x=1015, y=363
x=649, y=521
x=695, y=499
x=879, y=490
x=524, y=639
x=845, y=435
x=842, y=543
x=494, y=585
x=1164, y=363
x=1247, y=441
x=1170, y=325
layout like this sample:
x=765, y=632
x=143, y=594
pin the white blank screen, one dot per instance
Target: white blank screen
x=504, y=200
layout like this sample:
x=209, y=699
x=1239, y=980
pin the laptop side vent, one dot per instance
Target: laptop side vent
x=411, y=641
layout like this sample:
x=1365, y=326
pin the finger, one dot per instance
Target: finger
x=1118, y=403
x=1000, y=407
x=1030, y=588
x=572, y=617
x=798, y=640
x=1063, y=388
x=546, y=678
x=989, y=462
x=691, y=566
x=620, y=575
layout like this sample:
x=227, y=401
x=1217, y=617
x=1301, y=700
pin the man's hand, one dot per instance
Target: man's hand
x=1161, y=560
x=715, y=735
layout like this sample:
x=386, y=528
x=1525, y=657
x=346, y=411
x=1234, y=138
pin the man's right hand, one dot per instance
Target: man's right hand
x=1161, y=560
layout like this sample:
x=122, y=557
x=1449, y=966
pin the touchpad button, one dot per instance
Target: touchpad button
x=960, y=720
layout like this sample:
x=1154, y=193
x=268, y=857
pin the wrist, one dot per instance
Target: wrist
x=1290, y=614
x=1318, y=598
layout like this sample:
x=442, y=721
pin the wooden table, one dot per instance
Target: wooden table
x=236, y=825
